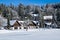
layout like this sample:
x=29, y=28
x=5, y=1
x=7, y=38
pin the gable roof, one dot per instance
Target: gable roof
x=12, y=22
x=31, y=24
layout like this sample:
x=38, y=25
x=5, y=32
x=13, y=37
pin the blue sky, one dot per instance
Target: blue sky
x=27, y=2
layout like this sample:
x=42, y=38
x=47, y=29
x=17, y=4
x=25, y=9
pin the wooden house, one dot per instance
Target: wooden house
x=31, y=25
x=14, y=24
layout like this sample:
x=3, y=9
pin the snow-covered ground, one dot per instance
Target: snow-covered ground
x=31, y=34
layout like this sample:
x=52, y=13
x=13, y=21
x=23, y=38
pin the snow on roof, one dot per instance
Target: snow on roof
x=35, y=22
x=48, y=17
x=35, y=14
x=12, y=22
x=48, y=23
x=21, y=21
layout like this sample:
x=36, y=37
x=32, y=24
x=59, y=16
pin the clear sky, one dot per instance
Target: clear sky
x=27, y=2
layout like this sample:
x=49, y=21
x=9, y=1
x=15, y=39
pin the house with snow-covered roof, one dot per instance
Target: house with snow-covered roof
x=31, y=25
x=48, y=19
x=14, y=24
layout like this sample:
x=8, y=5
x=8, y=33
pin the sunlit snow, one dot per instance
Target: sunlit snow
x=31, y=34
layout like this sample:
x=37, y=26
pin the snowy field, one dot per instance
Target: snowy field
x=31, y=34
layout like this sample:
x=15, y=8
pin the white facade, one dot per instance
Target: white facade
x=48, y=17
